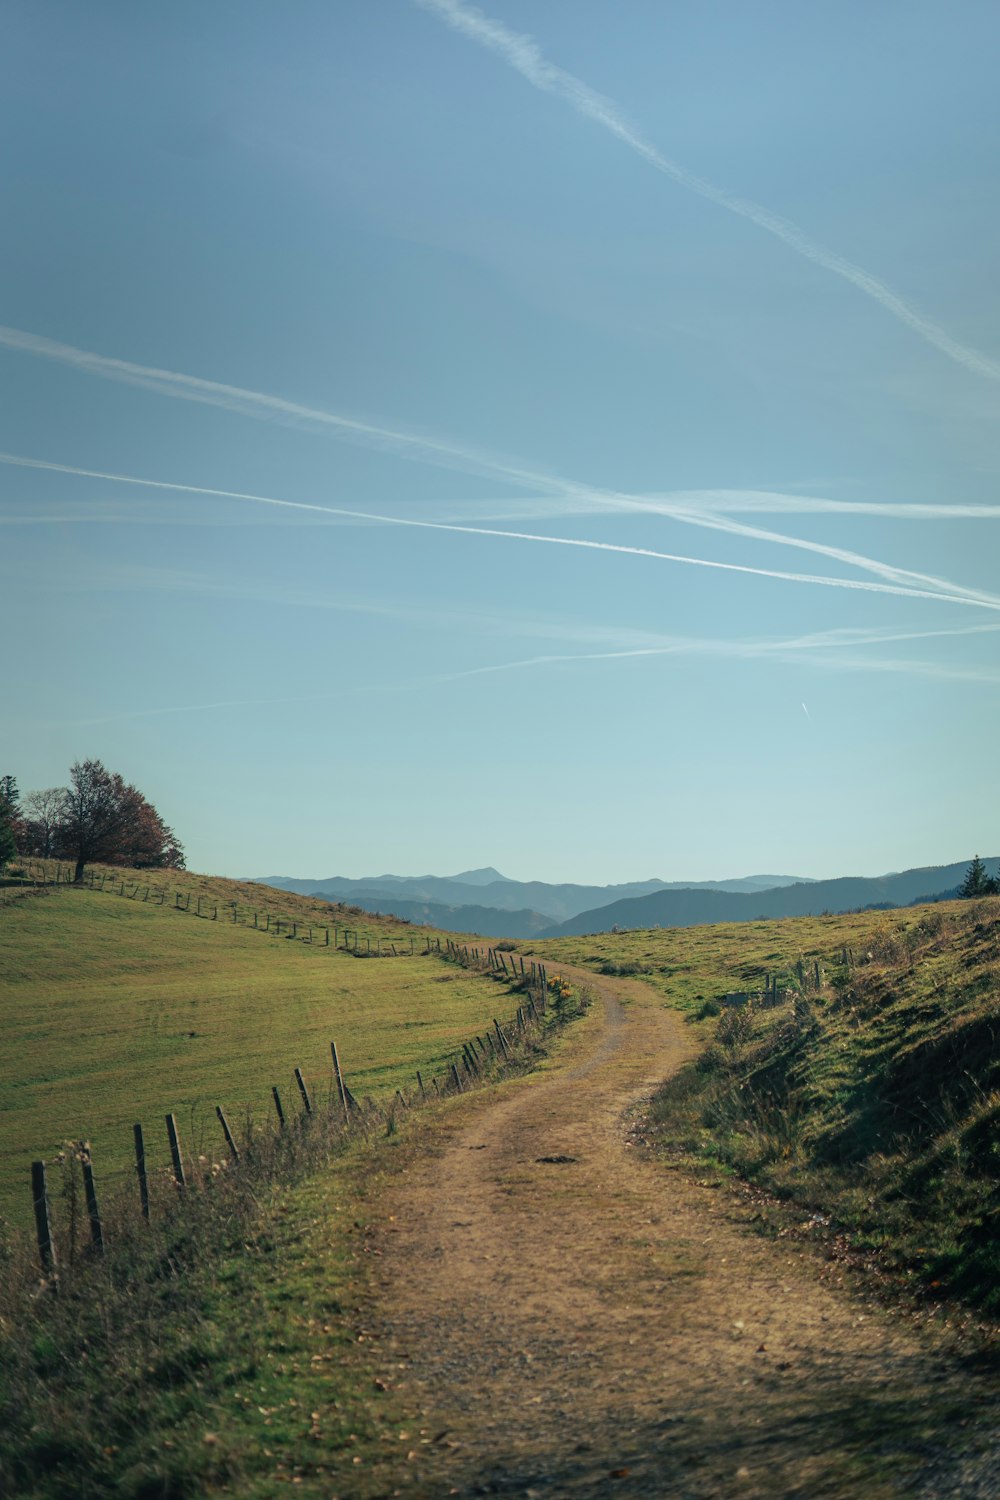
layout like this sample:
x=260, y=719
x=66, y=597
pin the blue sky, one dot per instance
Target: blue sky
x=709, y=289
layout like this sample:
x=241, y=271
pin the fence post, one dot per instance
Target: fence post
x=340, y=1080
x=140, y=1170
x=420, y=1085
x=233, y=1148
x=457, y=1080
x=43, y=1227
x=277, y=1105
x=175, y=1151
x=503, y=1040
x=306, y=1101
x=90, y=1192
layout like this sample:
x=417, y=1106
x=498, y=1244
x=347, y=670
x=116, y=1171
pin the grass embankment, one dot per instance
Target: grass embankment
x=874, y=1102
x=117, y=1011
x=223, y=1346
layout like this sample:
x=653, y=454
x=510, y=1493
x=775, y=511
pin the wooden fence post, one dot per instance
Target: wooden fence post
x=90, y=1193
x=43, y=1227
x=140, y=1170
x=457, y=1080
x=277, y=1105
x=306, y=1101
x=175, y=1151
x=340, y=1080
x=233, y=1148
x=503, y=1040
x=420, y=1085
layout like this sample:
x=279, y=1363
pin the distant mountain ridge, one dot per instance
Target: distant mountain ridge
x=487, y=902
x=487, y=888
x=692, y=908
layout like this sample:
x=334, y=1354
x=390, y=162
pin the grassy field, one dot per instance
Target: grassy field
x=873, y=1101
x=117, y=1011
x=692, y=965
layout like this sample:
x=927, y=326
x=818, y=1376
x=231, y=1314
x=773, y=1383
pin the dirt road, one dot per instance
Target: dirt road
x=562, y=1315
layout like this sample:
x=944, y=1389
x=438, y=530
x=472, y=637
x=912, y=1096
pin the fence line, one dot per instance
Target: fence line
x=347, y=939
x=473, y=1062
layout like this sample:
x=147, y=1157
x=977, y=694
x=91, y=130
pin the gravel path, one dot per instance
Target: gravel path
x=563, y=1316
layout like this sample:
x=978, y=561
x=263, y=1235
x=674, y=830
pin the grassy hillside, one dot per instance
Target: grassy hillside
x=116, y=1010
x=874, y=1101
x=689, y=965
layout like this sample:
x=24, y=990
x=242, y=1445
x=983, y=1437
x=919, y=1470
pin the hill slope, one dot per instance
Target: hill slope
x=117, y=1010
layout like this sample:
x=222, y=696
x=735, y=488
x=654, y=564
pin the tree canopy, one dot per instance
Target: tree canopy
x=99, y=817
x=103, y=818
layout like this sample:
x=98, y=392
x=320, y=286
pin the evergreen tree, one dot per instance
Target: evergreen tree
x=977, y=882
x=9, y=798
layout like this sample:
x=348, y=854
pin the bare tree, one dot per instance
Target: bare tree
x=42, y=811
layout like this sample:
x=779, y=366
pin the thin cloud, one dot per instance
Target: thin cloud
x=523, y=55
x=818, y=580
x=788, y=652
x=424, y=448
x=262, y=405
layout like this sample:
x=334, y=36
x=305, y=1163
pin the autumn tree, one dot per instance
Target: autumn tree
x=105, y=819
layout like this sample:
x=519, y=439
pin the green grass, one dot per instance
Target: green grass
x=117, y=1011
x=874, y=1102
x=691, y=965
x=217, y=1349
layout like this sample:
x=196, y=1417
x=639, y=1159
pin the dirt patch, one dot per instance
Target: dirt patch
x=611, y=1327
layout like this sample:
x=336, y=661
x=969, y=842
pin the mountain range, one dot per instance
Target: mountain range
x=489, y=903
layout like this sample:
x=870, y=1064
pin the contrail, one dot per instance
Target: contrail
x=840, y=554
x=262, y=405
x=783, y=651
x=523, y=54
x=428, y=449
x=817, y=579
x=771, y=502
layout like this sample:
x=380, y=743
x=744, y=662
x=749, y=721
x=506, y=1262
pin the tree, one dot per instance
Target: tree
x=977, y=882
x=10, y=821
x=41, y=822
x=103, y=818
